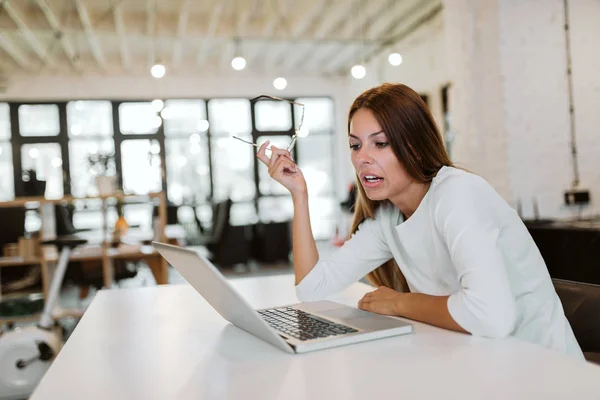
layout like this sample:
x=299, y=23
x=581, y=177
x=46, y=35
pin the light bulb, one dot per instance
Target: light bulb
x=395, y=59
x=56, y=162
x=280, y=83
x=166, y=113
x=156, y=121
x=158, y=70
x=157, y=105
x=358, y=71
x=238, y=63
x=202, y=125
x=194, y=138
x=155, y=148
x=34, y=153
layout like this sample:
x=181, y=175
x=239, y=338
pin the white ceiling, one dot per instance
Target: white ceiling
x=126, y=37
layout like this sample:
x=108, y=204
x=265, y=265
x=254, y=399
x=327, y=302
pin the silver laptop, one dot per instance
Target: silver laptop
x=296, y=328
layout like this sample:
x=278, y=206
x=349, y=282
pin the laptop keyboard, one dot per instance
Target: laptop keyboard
x=302, y=325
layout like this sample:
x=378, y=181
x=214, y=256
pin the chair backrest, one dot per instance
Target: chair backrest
x=221, y=213
x=581, y=302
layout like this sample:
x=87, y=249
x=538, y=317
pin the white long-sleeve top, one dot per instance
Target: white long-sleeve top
x=462, y=241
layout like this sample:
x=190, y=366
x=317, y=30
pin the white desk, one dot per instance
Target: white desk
x=168, y=343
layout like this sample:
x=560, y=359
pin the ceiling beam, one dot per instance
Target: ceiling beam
x=215, y=17
x=240, y=26
x=403, y=27
x=301, y=27
x=181, y=28
x=343, y=15
x=29, y=37
x=16, y=54
x=90, y=34
x=120, y=28
x=331, y=60
x=59, y=34
x=150, y=31
x=268, y=31
x=338, y=14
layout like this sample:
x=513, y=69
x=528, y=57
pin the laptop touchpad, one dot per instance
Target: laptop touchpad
x=362, y=319
x=345, y=313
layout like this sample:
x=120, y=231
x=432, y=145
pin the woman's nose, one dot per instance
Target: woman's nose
x=364, y=156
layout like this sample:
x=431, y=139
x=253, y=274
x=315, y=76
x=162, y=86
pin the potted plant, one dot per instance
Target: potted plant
x=102, y=165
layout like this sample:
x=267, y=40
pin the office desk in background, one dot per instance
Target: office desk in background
x=168, y=343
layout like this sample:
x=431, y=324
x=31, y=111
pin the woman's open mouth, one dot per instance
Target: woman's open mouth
x=371, y=181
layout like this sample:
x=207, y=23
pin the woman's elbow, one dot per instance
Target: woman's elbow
x=306, y=294
x=500, y=324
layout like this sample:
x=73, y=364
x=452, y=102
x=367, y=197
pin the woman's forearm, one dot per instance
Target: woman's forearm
x=303, y=242
x=432, y=310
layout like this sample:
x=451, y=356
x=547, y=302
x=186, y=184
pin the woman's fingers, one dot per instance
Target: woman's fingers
x=276, y=153
x=282, y=165
x=262, y=153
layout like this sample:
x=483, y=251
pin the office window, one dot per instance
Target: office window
x=184, y=117
x=4, y=122
x=46, y=160
x=83, y=176
x=39, y=120
x=243, y=213
x=89, y=118
x=141, y=166
x=7, y=187
x=188, y=169
x=138, y=118
x=229, y=116
x=267, y=185
x=233, y=171
x=90, y=131
x=315, y=159
x=273, y=115
x=324, y=212
x=318, y=114
x=275, y=209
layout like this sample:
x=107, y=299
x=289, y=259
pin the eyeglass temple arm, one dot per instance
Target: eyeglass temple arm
x=265, y=97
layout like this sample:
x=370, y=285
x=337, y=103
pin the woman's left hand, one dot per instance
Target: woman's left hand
x=382, y=301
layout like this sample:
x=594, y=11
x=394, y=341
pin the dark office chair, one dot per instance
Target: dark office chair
x=228, y=245
x=581, y=302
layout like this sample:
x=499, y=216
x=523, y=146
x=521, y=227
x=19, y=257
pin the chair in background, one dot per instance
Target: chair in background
x=228, y=245
x=581, y=302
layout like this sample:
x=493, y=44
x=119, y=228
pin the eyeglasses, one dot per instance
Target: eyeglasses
x=297, y=132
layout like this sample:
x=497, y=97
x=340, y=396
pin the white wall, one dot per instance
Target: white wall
x=585, y=50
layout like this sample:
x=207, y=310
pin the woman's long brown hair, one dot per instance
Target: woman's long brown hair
x=416, y=141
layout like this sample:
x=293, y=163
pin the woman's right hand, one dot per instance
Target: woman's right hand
x=283, y=169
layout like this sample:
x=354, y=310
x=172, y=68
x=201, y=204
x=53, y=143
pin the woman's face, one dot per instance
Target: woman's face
x=381, y=174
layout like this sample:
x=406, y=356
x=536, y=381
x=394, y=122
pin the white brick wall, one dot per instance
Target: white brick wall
x=585, y=50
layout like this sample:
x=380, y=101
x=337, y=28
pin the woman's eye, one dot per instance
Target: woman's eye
x=354, y=146
x=382, y=144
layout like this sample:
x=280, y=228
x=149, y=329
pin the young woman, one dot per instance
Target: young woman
x=422, y=225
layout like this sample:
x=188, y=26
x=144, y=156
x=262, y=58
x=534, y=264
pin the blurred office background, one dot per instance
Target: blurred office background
x=151, y=92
